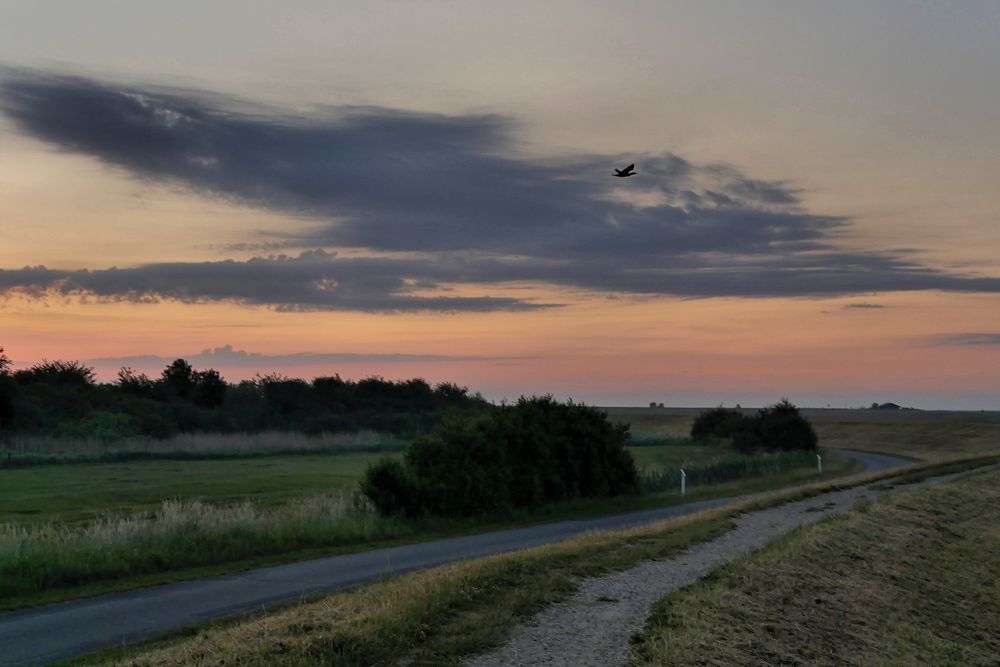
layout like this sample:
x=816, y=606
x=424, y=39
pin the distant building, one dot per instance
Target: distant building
x=885, y=406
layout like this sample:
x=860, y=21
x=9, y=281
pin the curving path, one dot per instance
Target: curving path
x=47, y=634
x=594, y=627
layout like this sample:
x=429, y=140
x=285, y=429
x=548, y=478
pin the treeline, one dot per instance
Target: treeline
x=64, y=399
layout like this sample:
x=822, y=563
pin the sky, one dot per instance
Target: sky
x=426, y=189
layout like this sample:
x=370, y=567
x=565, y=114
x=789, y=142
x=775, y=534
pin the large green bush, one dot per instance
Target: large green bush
x=534, y=452
x=779, y=427
x=716, y=424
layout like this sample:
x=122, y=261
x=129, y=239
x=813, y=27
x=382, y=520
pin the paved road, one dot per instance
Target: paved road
x=46, y=634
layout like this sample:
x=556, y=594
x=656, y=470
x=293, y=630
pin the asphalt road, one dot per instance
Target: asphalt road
x=55, y=632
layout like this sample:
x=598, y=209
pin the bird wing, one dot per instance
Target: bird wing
x=630, y=167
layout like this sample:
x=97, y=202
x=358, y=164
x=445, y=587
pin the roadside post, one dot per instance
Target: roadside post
x=819, y=464
x=684, y=478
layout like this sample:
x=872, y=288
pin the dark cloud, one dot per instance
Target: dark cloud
x=968, y=339
x=440, y=200
x=229, y=357
x=863, y=306
x=314, y=280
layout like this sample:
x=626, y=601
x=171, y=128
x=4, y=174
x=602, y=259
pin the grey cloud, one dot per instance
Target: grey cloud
x=451, y=193
x=314, y=280
x=863, y=306
x=230, y=357
x=968, y=339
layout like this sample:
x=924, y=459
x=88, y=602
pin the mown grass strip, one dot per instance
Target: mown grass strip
x=11, y=460
x=911, y=579
x=438, y=616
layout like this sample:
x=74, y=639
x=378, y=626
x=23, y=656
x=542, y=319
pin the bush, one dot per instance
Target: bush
x=779, y=427
x=386, y=484
x=528, y=454
x=716, y=424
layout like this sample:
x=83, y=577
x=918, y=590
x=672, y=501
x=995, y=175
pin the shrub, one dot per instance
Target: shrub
x=716, y=424
x=386, y=484
x=779, y=427
x=524, y=455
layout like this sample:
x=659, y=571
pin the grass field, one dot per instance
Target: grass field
x=83, y=528
x=69, y=494
x=20, y=450
x=462, y=609
x=926, y=435
x=440, y=616
x=87, y=528
x=909, y=580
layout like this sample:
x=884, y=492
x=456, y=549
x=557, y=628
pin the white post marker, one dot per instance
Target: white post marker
x=684, y=478
x=819, y=464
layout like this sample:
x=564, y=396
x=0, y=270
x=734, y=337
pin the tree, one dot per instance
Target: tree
x=179, y=378
x=133, y=382
x=66, y=373
x=209, y=389
x=6, y=392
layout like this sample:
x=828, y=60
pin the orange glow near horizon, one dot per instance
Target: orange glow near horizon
x=594, y=349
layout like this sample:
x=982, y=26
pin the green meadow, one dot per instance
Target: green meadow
x=75, y=529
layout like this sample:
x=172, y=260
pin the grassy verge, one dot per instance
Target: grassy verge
x=184, y=540
x=22, y=451
x=439, y=616
x=913, y=579
x=430, y=617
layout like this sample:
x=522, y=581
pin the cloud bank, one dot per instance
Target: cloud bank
x=968, y=339
x=233, y=358
x=434, y=202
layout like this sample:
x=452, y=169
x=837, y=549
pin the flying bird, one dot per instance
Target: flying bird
x=626, y=172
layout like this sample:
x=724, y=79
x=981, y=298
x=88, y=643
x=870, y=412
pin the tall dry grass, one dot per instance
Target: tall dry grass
x=181, y=534
x=727, y=467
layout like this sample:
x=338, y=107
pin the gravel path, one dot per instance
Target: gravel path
x=594, y=627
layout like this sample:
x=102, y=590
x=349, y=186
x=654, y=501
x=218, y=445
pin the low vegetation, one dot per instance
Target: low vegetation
x=178, y=535
x=77, y=494
x=535, y=452
x=430, y=617
x=779, y=427
x=911, y=579
x=439, y=616
x=33, y=450
x=727, y=466
x=85, y=529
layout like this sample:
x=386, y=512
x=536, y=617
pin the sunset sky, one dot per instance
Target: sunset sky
x=426, y=189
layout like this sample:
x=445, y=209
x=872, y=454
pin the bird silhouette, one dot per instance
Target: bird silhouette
x=626, y=172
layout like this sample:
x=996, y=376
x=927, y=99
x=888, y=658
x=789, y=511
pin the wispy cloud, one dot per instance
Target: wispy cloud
x=967, y=339
x=314, y=280
x=230, y=357
x=438, y=200
x=863, y=306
